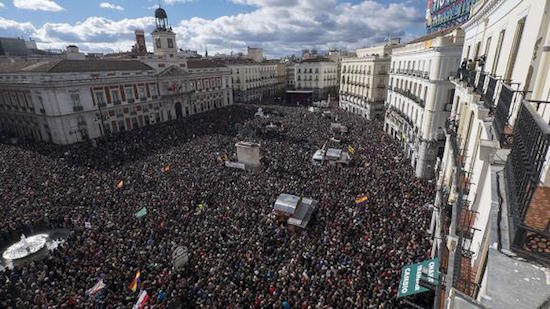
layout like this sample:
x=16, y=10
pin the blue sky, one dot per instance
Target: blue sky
x=281, y=27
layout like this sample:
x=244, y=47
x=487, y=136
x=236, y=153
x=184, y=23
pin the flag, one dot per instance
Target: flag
x=351, y=149
x=141, y=213
x=120, y=184
x=166, y=169
x=134, y=284
x=361, y=199
x=142, y=300
x=96, y=288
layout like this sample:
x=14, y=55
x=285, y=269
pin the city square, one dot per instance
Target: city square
x=239, y=254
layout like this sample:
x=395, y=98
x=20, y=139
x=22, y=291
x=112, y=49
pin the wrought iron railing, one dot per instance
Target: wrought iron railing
x=480, y=83
x=530, y=146
x=502, y=113
x=489, y=96
x=471, y=77
x=525, y=163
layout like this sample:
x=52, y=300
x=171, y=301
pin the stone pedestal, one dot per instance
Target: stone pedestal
x=249, y=154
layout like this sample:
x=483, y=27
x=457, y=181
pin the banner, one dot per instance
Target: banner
x=410, y=277
x=235, y=165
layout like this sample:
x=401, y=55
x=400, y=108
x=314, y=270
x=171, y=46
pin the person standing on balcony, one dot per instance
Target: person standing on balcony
x=481, y=62
x=463, y=68
x=471, y=65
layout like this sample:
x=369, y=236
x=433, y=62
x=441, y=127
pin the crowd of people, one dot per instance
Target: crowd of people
x=240, y=255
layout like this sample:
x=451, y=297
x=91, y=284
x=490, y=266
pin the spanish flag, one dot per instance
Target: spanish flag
x=166, y=169
x=351, y=149
x=120, y=184
x=134, y=284
x=361, y=199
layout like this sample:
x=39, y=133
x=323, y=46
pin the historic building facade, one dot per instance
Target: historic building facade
x=318, y=75
x=364, y=80
x=256, y=81
x=64, y=101
x=491, y=219
x=420, y=96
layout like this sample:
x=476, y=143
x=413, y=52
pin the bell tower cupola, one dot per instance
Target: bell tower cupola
x=164, y=39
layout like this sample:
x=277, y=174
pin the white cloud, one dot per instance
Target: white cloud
x=2, y=5
x=37, y=5
x=171, y=2
x=281, y=27
x=107, y=5
x=11, y=25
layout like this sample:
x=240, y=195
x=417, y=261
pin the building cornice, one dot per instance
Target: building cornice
x=487, y=8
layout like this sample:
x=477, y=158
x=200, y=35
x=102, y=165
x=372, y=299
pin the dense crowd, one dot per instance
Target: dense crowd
x=240, y=255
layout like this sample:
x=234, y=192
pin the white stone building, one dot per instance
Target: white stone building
x=254, y=82
x=64, y=101
x=491, y=219
x=420, y=96
x=318, y=75
x=364, y=80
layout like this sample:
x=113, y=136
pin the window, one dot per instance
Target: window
x=487, y=46
x=170, y=43
x=158, y=43
x=141, y=91
x=515, y=49
x=153, y=89
x=100, y=97
x=129, y=93
x=497, y=51
x=75, y=98
x=478, y=48
x=115, y=95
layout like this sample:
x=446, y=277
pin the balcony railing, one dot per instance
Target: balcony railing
x=531, y=143
x=502, y=113
x=530, y=146
x=489, y=96
x=480, y=83
x=409, y=95
x=78, y=108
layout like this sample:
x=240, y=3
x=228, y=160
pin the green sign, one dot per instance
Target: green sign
x=411, y=274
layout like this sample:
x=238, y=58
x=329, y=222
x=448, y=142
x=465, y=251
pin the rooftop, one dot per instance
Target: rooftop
x=74, y=66
x=433, y=35
x=203, y=63
x=312, y=60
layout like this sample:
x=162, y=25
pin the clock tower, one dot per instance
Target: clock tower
x=164, y=39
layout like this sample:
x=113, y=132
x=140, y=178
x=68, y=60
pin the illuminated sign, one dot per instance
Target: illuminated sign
x=443, y=14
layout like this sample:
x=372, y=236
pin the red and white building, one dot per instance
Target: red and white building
x=65, y=101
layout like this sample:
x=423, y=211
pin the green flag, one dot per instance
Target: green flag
x=141, y=213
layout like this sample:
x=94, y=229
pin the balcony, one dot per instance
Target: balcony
x=410, y=95
x=502, y=115
x=143, y=99
x=102, y=104
x=130, y=100
x=42, y=111
x=531, y=142
x=401, y=115
x=78, y=108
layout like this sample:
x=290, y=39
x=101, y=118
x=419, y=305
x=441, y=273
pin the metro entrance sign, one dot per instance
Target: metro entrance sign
x=411, y=274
